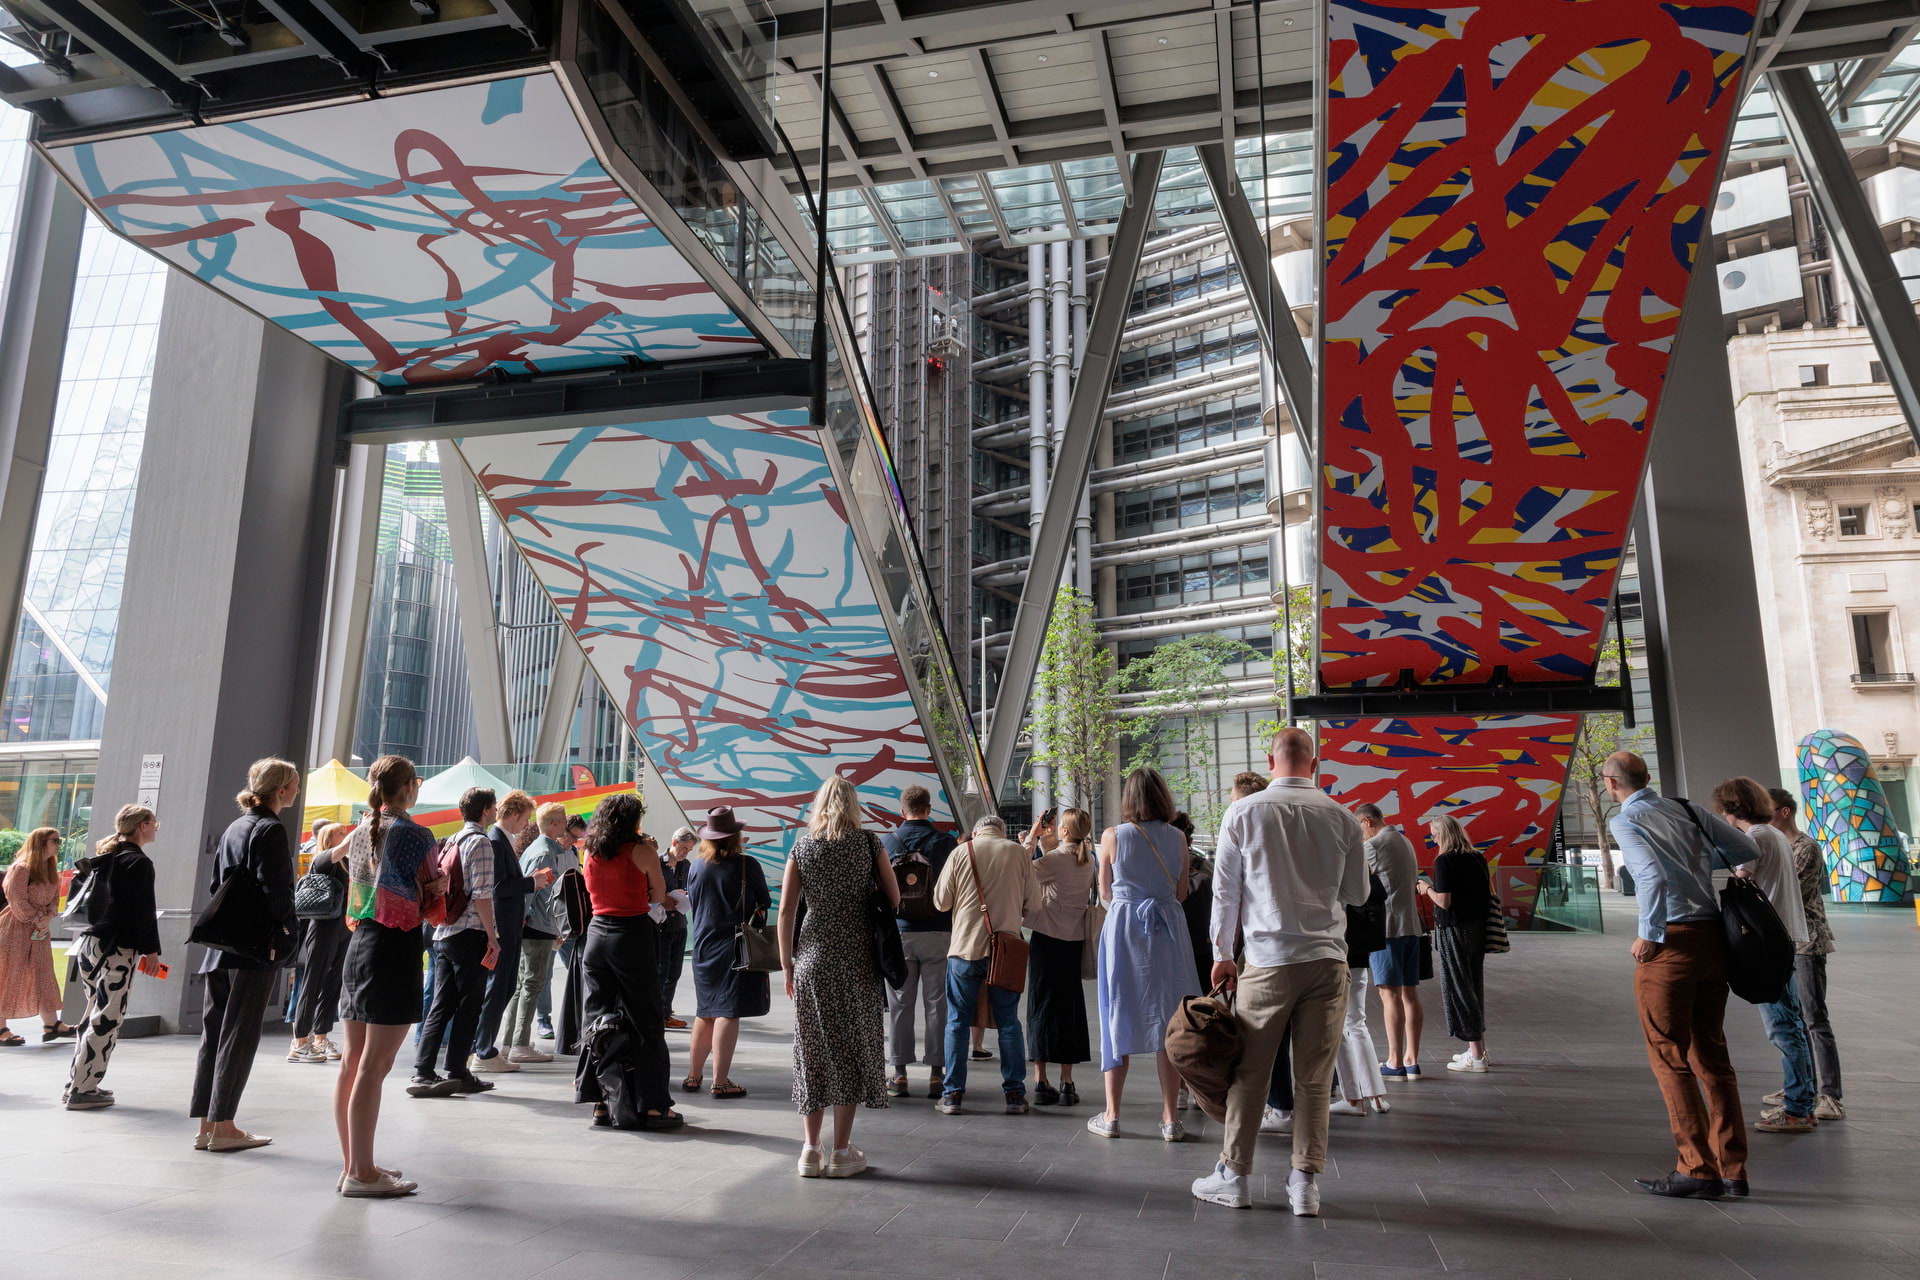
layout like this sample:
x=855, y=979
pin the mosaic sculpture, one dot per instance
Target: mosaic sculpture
x=1848, y=815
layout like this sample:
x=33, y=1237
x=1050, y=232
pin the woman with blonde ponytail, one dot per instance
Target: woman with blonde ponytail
x=108, y=950
x=388, y=879
x=254, y=846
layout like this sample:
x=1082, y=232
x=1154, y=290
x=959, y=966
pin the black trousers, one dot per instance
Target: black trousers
x=620, y=962
x=236, y=1004
x=322, y=952
x=510, y=917
x=459, y=985
x=673, y=959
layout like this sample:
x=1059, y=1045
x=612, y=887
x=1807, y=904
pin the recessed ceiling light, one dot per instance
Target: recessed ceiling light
x=933, y=75
x=1286, y=22
x=776, y=97
x=1041, y=58
x=1163, y=39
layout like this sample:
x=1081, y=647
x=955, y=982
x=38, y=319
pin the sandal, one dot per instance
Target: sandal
x=727, y=1090
x=601, y=1118
x=690, y=1085
x=10, y=1040
x=663, y=1120
x=56, y=1031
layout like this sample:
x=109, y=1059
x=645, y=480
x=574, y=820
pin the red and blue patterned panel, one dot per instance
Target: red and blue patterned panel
x=1499, y=776
x=709, y=571
x=420, y=238
x=1516, y=192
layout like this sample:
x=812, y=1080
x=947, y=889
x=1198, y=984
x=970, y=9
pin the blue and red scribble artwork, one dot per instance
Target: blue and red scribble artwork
x=420, y=238
x=1515, y=195
x=708, y=570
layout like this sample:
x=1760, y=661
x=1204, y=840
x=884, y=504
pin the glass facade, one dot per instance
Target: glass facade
x=63, y=654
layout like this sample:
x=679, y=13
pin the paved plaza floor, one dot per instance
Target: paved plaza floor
x=1523, y=1172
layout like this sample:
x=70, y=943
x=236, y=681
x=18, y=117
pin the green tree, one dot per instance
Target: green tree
x=1185, y=681
x=1292, y=652
x=1075, y=721
x=1600, y=736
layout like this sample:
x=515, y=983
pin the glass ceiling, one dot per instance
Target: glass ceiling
x=1883, y=112
x=1064, y=201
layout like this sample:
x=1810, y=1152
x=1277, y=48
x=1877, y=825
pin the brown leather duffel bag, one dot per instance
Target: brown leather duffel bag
x=1203, y=1044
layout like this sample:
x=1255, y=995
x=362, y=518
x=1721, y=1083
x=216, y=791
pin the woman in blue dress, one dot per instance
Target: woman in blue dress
x=1146, y=957
x=725, y=888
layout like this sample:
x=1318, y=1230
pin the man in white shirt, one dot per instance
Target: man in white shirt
x=1288, y=861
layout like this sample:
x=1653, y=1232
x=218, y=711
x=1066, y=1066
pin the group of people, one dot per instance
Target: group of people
x=1303, y=905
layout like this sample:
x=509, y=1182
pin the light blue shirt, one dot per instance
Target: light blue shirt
x=1672, y=866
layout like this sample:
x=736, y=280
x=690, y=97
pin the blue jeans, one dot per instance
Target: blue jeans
x=964, y=979
x=1789, y=1035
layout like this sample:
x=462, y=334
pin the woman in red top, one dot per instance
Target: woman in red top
x=623, y=1060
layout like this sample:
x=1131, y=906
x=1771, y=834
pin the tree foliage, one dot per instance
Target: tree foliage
x=1185, y=681
x=1075, y=720
x=1600, y=736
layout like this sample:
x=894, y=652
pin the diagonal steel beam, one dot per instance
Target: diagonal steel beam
x=1884, y=306
x=1292, y=367
x=1072, y=466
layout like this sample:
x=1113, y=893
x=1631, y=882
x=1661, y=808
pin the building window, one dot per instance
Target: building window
x=1873, y=656
x=1813, y=375
x=1853, y=520
x=1876, y=372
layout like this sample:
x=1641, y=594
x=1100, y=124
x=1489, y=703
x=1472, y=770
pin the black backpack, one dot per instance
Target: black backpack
x=1759, y=948
x=90, y=895
x=1367, y=924
x=914, y=872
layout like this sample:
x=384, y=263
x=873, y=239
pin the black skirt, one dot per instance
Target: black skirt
x=380, y=981
x=1056, y=1001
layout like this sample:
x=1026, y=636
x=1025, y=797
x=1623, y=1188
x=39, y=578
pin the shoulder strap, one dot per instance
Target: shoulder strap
x=1158, y=861
x=978, y=889
x=1712, y=848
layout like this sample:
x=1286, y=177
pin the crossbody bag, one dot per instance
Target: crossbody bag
x=1006, y=952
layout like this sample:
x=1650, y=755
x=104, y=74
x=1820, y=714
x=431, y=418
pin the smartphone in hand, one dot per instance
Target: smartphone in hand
x=153, y=968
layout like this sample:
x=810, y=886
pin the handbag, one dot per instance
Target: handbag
x=1096, y=919
x=1203, y=1043
x=883, y=930
x=319, y=896
x=756, y=947
x=1759, y=948
x=90, y=896
x=236, y=921
x=1494, y=933
x=1006, y=952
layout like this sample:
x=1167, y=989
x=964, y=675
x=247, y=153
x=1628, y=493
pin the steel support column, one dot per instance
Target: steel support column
x=356, y=543
x=46, y=254
x=1271, y=310
x=1880, y=293
x=563, y=701
x=479, y=625
x=1072, y=464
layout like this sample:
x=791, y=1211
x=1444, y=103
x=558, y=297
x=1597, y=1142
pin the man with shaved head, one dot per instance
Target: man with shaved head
x=1288, y=862
x=1680, y=975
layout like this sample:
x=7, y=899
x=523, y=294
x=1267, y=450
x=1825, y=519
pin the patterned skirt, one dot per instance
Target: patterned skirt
x=1461, y=964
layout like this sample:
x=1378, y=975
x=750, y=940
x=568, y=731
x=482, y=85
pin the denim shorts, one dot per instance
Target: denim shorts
x=1398, y=963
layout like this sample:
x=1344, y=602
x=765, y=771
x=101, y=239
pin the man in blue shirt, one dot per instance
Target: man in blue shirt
x=1680, y=978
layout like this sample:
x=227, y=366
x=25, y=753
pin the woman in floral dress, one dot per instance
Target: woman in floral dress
x=27, y=984
x=839, y=1046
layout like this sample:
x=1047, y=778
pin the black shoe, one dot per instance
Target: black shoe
x=1045, y=1095
x=1735, y=1187
x=1016, y=1104
x=1679, y=1186
x=980, y=1055
x=469, y=1084
x=429, y=1085
x=1069, y=1096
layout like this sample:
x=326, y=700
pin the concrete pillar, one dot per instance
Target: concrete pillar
x=356, y=543
x=1083, y=520
x=1713, y=712
x=219, y=640
x=1039, y=438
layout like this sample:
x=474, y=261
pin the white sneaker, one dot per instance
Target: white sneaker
x=846, y=1162
x=1466, y=1055
x=1101, y=1125
x=812, y=1162
x=384, y=1187
x=1274, y=1120
x=1345, y=1108
x=306, y=1053
x=1777, y=1098
x=1467, y=1062
x=1223, y=1186
x=527, y=1053
x=1379, y=1104
x=1182, y=1100
x=1827, y=1107
x=1175, y=1132
x=1304, y=1197
x=496, y=1064
x=328, y=1047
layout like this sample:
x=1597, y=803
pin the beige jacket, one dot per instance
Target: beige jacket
x=1005, y=871
x=1066, y=887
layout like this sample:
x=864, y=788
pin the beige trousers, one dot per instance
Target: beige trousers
x=1312, y=996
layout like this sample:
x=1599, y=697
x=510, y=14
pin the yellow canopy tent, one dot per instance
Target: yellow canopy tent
x=332, y=793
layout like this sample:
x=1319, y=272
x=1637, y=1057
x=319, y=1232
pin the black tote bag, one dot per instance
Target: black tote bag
x=1759, y=948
